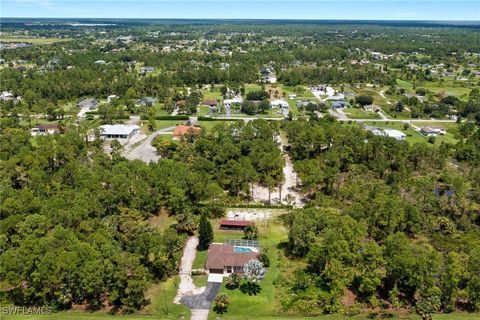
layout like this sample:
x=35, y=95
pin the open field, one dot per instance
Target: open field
x=160, y=124
x=357, y=113
x=32, y=40
x=209, y=94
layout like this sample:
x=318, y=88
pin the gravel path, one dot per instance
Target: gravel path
x=187, y=287
x=287, y=188
x=197, y=299
x=145, y=151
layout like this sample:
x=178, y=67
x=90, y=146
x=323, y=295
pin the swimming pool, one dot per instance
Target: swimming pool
x=243, y=249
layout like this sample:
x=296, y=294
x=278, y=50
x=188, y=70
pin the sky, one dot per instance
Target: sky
x=246, y=9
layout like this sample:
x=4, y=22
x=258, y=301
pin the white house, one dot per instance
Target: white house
x=118, y=131
x=338, y=96
x=279, y=104
x=229, y=102
x=371, y=108
x=292, y=96
x=111, y=97
x=269, y=78
x=396, y=134
x=7, y=95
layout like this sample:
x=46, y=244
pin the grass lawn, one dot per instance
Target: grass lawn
x=448, y=87
x=203, y=111
x=200, y=260
x=161, y=297
x=161, y=124
x=271, y=233
x=200, y=281
x=159, y=107
x=396, y=115
x=449, y=137
x=357, y=113
x=252, y=87
x=209, y=94
x=208, y=125
x=408, y=86
x=32, y=40
x=35, y=121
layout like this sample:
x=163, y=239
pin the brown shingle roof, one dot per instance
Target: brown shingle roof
x=209, y=102
x=221, y=255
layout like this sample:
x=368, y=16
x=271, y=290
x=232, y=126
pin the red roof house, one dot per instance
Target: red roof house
x=235, y=224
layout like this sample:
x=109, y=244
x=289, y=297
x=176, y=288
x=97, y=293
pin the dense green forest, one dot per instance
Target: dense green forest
x=389, y=221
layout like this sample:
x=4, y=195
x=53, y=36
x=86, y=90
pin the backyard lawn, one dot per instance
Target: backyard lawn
x=271, y=233
x=209, y=94
x=200, y=260
x=357, y=113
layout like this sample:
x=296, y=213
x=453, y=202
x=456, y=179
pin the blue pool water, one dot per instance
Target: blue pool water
x=242, y=249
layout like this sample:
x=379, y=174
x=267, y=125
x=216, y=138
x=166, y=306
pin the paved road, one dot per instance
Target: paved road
x=398, y=120
x=204, y=299
x=145, y=151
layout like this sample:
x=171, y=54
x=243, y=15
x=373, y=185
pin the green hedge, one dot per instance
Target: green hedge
x=213, y=119
x=182, y=117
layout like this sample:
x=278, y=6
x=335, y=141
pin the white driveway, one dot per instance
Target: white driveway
x=215, y=277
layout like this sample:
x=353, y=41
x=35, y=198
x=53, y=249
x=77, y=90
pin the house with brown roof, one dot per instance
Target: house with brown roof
x=210, y=102
x=229, y=258
x=236, y=225
x=181, y=130
x=44, y=129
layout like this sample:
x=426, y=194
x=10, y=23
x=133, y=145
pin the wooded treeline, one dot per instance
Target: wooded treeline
x=391, y=222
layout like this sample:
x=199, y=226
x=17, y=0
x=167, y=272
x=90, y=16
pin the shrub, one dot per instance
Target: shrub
x=264, y=258
x=198, y=272
x=221, y=303
x=250, y=233
x=233, y=281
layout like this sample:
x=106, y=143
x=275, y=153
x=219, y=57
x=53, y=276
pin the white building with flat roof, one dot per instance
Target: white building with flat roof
x=118, y=131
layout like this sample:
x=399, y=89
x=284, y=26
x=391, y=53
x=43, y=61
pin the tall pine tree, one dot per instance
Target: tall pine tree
x=205, y=232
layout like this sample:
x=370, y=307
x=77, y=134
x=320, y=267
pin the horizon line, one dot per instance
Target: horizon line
x=250, y=19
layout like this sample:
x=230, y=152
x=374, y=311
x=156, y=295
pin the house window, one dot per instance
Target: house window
x=238, y=269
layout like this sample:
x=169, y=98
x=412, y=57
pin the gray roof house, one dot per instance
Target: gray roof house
x=145, y=70
x=338, y=104
x=88, y=103
x=146, y=101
